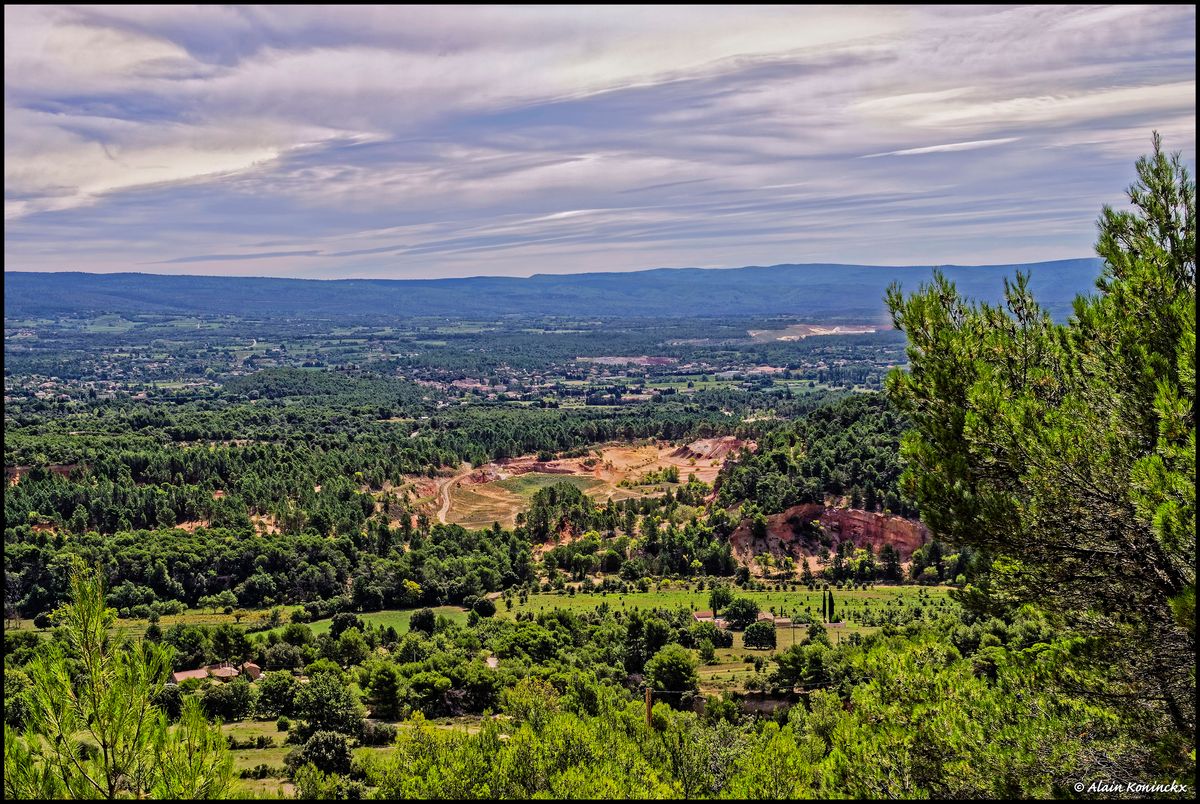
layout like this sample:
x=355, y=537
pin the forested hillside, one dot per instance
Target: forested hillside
x=236, y=572
x=851, y=450
x=819, y=292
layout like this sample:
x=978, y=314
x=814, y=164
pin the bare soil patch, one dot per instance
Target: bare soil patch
x=798, y=332
x=477, y=497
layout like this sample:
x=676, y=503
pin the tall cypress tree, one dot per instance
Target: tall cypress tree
x=830, y=605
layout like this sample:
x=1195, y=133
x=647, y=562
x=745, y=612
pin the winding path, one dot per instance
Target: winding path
x=444, y=491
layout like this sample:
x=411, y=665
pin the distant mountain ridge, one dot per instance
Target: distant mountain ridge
x=816, y=292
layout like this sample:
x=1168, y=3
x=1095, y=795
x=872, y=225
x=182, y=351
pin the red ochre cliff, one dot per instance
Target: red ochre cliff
x=791, y=533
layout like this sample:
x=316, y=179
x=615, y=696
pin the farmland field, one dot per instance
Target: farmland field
x=783, y=603
x=396, y=618
x=730, y=669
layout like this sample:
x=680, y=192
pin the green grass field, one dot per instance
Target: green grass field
x=730, y=669
x=136, y=628
x=278, y=786
x=783, y=603
x=396, y=618
x=527, y=485
x=108, y=323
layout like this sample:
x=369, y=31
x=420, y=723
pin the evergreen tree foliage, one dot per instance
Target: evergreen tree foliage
x=1067, y=451
x=93, y=728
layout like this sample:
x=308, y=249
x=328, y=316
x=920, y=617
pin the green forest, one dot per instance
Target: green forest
x=231, y=579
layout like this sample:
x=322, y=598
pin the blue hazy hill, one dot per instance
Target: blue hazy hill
x=818, y=292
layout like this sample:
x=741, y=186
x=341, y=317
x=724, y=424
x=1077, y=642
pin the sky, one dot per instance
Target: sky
x=421, y=142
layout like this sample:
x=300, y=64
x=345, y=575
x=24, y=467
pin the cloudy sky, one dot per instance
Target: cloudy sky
x=332, y=142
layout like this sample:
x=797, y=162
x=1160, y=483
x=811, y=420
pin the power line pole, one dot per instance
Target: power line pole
x=647, y=706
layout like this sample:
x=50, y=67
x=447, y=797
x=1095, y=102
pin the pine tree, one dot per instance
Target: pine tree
x=93, y=728
x=1069, y=450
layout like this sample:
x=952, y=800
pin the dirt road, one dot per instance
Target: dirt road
x=445, y=488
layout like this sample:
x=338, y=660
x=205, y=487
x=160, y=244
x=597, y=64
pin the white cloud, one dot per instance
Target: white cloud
x=951, y=146
x=1154, y=98
x=480, y=139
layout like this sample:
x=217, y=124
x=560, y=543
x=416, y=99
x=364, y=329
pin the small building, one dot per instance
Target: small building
x=707, y=617
x=252, y=671
x=184, y=675
x=222, y=672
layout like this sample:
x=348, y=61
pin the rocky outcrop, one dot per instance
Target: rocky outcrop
x=13, y=474
x=793, y=533
x=711, y=448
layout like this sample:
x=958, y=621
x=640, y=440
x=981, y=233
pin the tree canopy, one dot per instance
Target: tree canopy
x=1067, y=451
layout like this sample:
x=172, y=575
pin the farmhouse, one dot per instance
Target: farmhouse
x=222, y=672
x=707, y=617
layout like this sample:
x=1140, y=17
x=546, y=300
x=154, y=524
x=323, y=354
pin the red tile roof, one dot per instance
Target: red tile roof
x=222, y=671
x=184, y=675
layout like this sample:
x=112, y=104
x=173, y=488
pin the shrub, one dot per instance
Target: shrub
x=422, y=620
x=261, y=771
x=377, y=733
x=327, y=750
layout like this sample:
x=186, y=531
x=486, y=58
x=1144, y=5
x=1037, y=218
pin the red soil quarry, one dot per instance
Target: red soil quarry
x=710, y=448
x=790, y=534
x=614, y=464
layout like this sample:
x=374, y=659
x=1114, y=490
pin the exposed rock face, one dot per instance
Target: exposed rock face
x=791, y=533
x=518, y=466
x=14, y=473
x=711, y=448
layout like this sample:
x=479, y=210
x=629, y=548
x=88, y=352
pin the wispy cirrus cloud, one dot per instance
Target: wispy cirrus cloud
x=380, y=141
x=262, y=255
x=950, y=146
